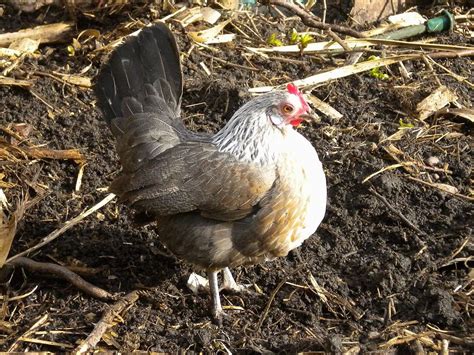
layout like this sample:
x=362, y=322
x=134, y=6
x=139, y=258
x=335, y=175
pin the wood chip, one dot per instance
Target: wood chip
x=438, y=99
x=324, y=108
x=209, y=34
x=8, y=230
x=55, y=32
x=14, y=82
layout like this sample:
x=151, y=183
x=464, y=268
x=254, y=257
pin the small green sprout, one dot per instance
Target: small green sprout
x=274, y=41
x=304, y=40
x=377, y=72
x=294, y=36
x=405, y=124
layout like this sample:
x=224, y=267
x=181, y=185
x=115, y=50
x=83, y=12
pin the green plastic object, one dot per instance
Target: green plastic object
x=445, y=22
x=406, y=32
x=440, y=23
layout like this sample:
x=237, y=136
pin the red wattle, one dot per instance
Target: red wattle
x=296, y=122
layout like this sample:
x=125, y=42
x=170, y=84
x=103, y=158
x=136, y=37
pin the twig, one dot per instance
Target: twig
x=397, y=212
x=67, y=225
x=468, y=198
x=51, y=107
x=64, y=273
x=270, y=301
x=347, y=70
x=106, y=322
x=310, y=20
x=225, y=62
x=14, y=82
x=63, y=154
x=338, y=40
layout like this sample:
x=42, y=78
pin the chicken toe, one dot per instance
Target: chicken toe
x=229, y=283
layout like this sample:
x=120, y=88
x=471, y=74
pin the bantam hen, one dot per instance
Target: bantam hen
x=251, y=192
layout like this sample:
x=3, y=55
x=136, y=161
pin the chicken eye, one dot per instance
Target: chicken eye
x=287, y=108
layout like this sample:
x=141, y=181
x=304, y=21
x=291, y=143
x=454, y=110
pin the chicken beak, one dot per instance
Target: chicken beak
x=309, y=117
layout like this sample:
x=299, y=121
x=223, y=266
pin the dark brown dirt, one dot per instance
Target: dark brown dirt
x=379, y=273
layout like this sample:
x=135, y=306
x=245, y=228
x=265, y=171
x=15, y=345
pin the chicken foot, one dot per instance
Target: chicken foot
x=229, y=283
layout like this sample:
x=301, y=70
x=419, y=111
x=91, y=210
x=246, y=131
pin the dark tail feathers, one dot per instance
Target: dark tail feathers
x=143, y=75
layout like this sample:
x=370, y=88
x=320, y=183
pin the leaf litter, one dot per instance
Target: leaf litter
x=391, y=266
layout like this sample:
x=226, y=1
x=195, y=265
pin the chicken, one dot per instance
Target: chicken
x=251, y=192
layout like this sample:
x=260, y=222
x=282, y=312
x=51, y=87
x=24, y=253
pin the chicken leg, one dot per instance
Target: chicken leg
x=217, y=311
x=228, y=283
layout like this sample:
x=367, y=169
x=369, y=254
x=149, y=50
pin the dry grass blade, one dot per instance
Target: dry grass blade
x=387, y=168
x=14, y=82
x=19, y=297
x=357, y=44
x=206, y=35
x=330, y=298
x=467, y=113
x=106, y=322
x=418, y=45
x=8, y=230
x=40, y=322
x=46, y=342
x=325, y=108
x=443, y=187
x=438, y=99
x=347, y=70
x=54, y=32
x=269, y=304
x=319, y=290
x=67, y=225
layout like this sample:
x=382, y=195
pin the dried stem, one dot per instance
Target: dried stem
x=106, y=322
x=399, y=214
x=310, y=20
x=67, y=225
x=64, y=273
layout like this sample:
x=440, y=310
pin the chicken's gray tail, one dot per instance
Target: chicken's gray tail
x=139, y=92
x=145, y=68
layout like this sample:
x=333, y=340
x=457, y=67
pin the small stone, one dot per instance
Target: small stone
x=432, y=161
x=373, y=335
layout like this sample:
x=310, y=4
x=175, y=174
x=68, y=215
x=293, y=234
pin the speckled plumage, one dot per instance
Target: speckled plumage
x=252, y=192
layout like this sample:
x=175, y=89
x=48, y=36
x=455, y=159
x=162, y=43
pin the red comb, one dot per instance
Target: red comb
x=292, y=89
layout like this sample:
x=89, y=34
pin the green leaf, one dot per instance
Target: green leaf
x=274, y=41
x=305, y=39
x=377, y=73
x=405, y=125
x=294, y=36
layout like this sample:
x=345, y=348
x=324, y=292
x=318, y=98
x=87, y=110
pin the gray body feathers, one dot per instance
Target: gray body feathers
x=215, y=206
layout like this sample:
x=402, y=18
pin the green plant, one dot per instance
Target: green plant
x=377, y=73
x=304, y=40
x=405, y=124
x=274, y=41
x=293, y=36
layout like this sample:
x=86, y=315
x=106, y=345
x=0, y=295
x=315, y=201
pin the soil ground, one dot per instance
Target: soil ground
x=380, y=277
